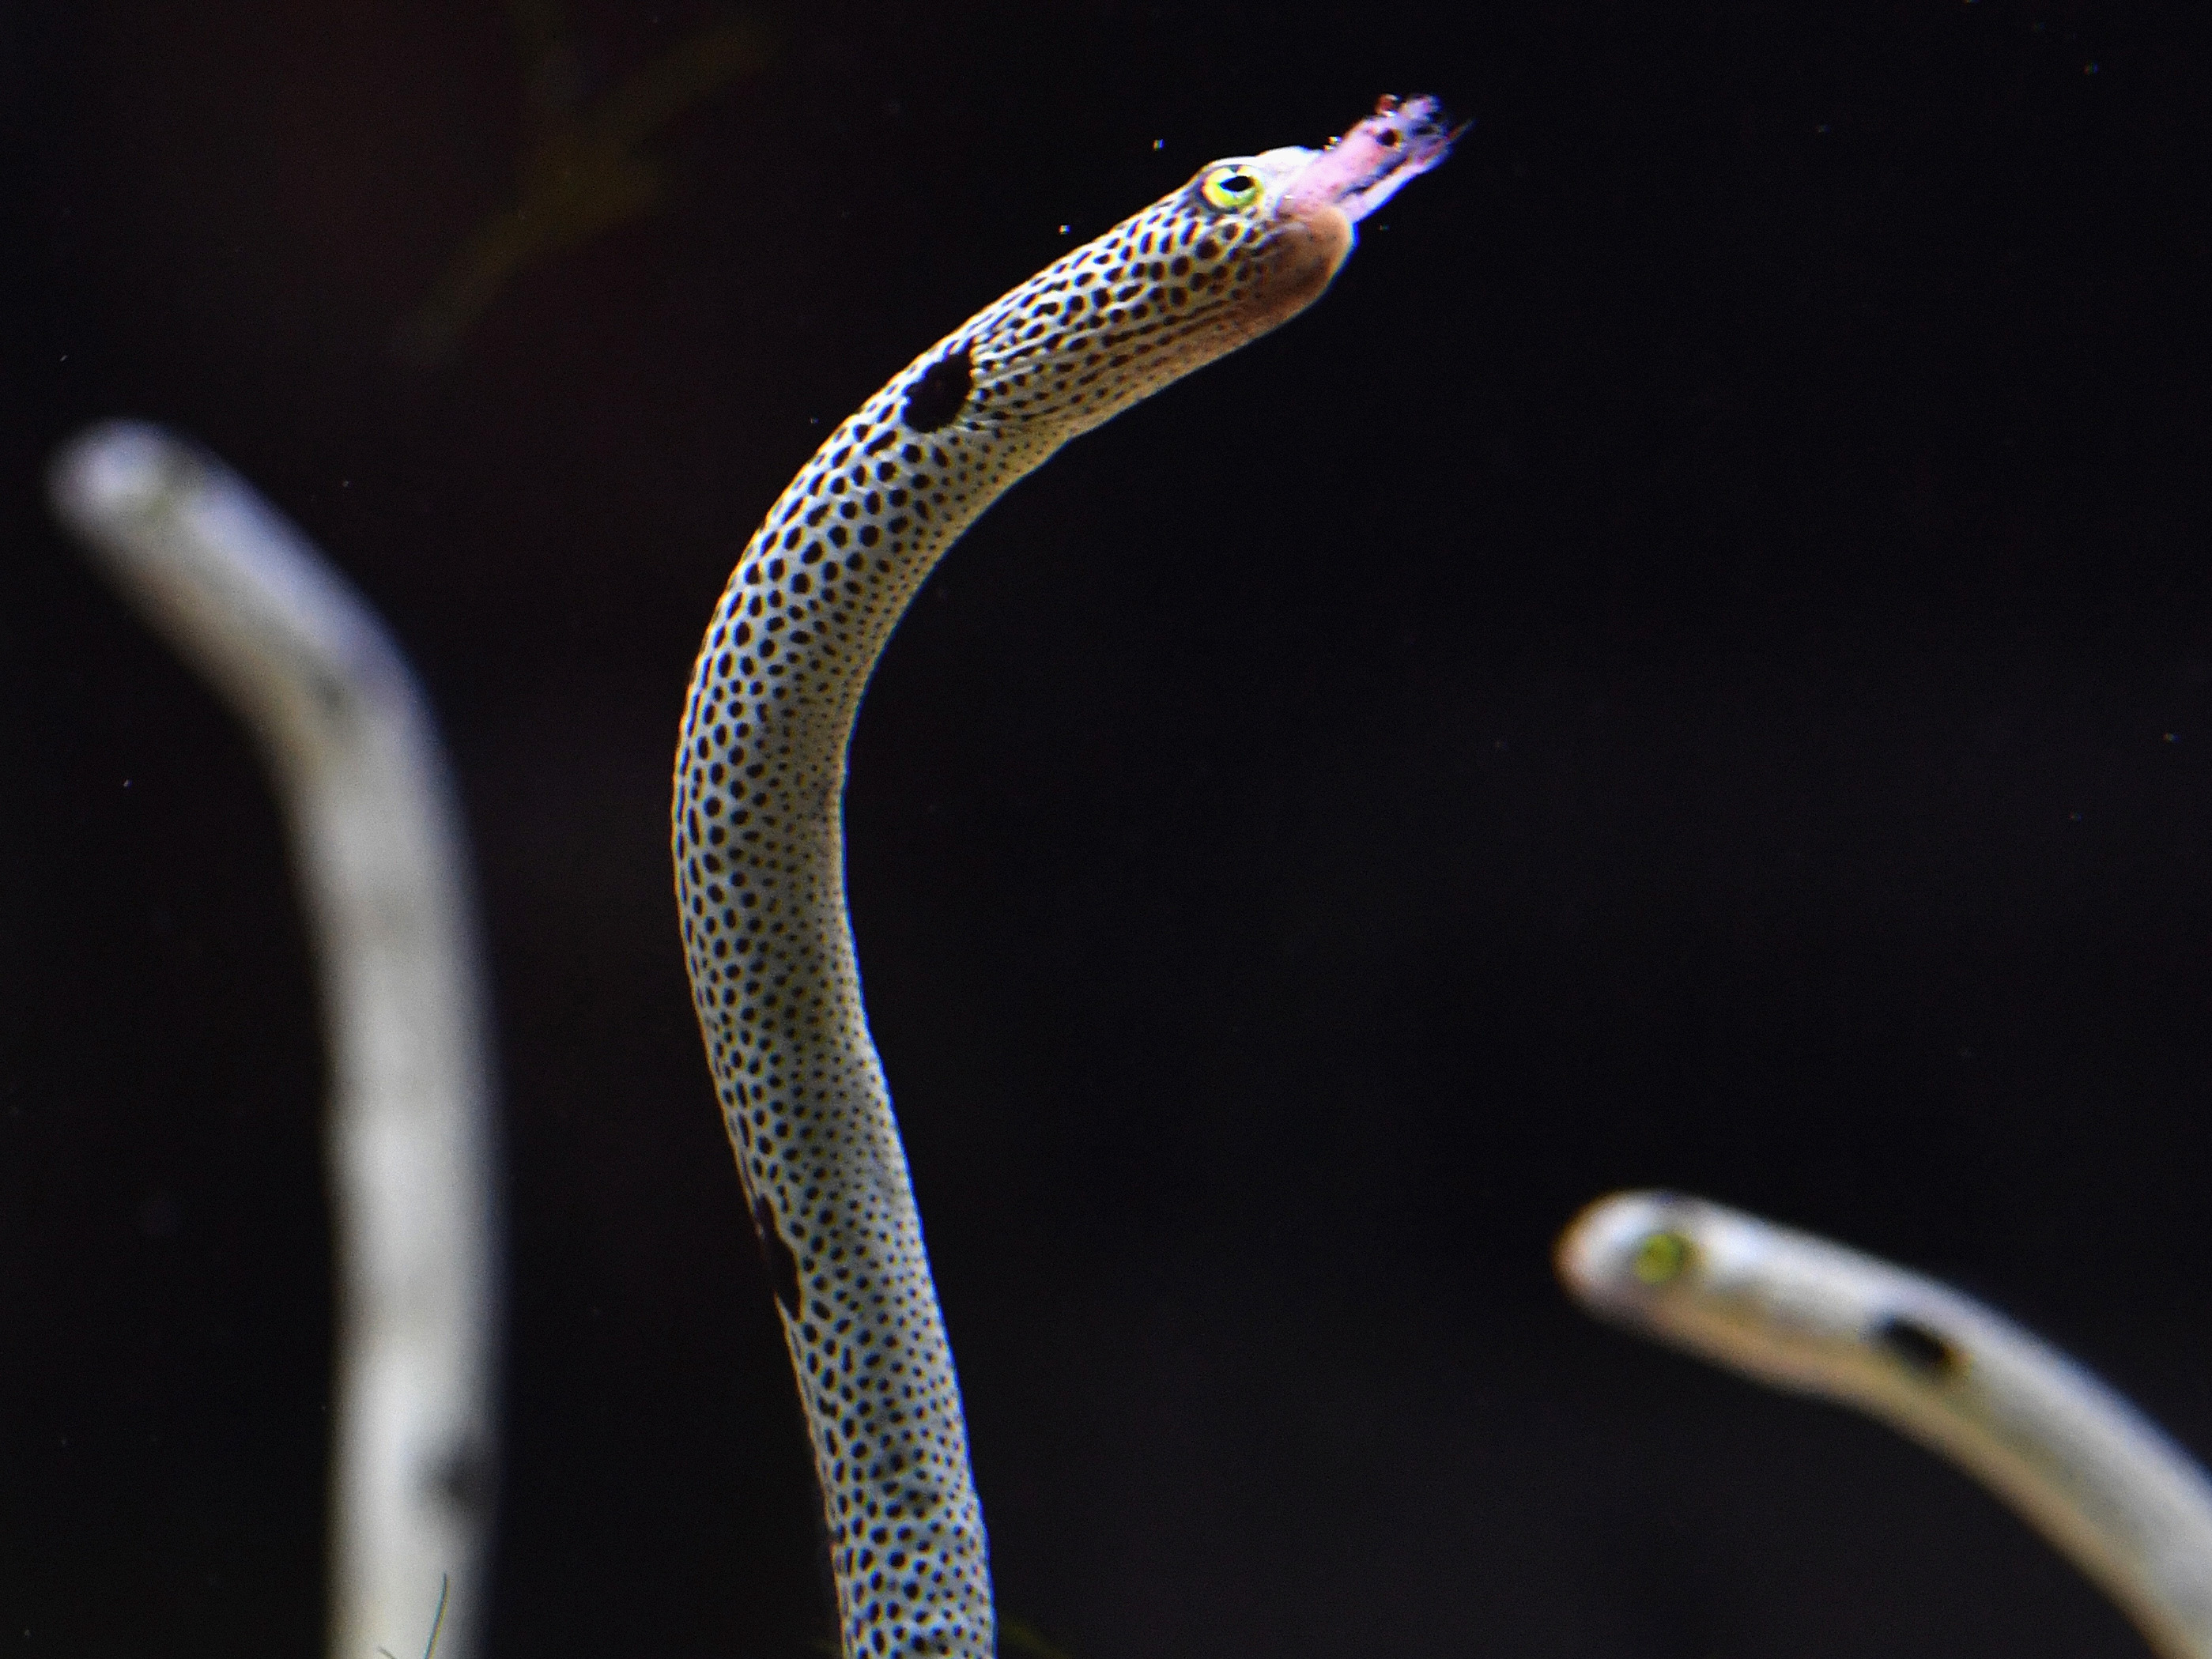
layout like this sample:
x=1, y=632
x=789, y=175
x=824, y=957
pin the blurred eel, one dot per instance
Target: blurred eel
x=380, y=856
x=2087, y=1469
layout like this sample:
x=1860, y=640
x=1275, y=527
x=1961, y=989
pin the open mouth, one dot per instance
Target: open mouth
x=1359, y=172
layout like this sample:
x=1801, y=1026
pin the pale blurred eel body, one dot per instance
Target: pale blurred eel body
x=1246, y=244
x=380, y=856
x=2098, y=1478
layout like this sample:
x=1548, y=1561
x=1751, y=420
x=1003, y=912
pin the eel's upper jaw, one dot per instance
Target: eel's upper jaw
x=1359, y=172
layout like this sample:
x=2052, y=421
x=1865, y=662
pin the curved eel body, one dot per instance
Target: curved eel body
x=2092, y=1474
x=760, y=772
x=381, y=860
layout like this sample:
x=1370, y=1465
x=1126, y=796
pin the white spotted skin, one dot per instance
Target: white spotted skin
x=759, y=849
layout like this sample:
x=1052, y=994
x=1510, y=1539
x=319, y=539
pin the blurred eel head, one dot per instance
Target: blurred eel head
x=1626, y=1256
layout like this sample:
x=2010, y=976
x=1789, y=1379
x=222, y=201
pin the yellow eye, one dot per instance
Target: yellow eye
x=1661, y=1258
x=1231, y=188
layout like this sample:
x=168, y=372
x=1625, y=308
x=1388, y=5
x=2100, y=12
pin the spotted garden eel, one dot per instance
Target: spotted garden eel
x=2085, y=1468
x=380, y=857
x=1247, y=243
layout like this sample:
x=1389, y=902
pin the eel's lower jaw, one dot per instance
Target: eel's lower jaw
x=1311, y=247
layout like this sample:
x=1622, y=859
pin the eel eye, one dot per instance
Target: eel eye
x=1661, y=1259
x=1231, y=188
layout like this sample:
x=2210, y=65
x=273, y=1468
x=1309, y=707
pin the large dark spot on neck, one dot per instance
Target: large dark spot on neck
x=462, y=1477
x=940, y=392
x=783, y=1265
x=1925, y=1351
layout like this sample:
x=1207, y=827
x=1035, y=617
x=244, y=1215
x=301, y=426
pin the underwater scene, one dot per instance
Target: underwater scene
x=1627, y=607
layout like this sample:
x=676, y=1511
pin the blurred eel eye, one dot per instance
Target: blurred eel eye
x=1661, y=1258
x=1231, y=188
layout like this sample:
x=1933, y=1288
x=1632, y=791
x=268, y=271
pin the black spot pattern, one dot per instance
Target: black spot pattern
x=760, y=868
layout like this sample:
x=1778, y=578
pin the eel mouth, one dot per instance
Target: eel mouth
x=1369, y=165
x=1331, y=190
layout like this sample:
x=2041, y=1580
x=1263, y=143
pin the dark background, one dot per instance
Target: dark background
x=1693, y=666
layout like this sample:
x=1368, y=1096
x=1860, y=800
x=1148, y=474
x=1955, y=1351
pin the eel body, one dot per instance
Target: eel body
x=2099, y=1480
x=380, y=856
x=1247, y=243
